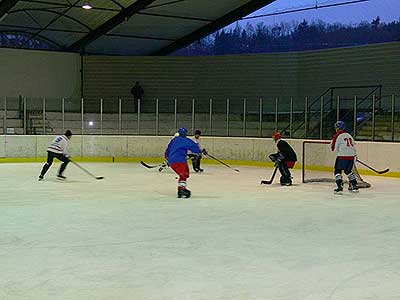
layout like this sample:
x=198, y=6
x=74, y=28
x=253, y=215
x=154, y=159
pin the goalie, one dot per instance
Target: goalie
x=284, y=159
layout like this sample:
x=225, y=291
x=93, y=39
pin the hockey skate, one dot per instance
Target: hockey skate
x=286, y=180
x=41, y=177
x=185, y=193
x=353, y=188
x=61, y=177
x=338, y=190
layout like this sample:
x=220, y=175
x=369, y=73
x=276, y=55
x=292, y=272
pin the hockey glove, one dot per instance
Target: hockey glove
x=204, y=151
x=274, y=157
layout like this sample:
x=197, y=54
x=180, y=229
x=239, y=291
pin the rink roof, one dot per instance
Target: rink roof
x=127, y=27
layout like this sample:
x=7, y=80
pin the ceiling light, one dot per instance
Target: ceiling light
x=87, y=5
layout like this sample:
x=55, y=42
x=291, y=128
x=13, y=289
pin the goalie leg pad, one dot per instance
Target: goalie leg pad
x=286, y=177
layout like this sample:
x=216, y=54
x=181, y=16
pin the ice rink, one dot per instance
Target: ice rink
x=128, y=236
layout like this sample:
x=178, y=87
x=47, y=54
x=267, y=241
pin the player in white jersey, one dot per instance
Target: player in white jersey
x=343, y=144
x=196, y=159
x=57, y=149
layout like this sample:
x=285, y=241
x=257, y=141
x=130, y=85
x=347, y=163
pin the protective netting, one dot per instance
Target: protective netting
x=318, y=162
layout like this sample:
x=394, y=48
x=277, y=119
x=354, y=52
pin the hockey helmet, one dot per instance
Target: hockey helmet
x=277, y=136
x=182, y=131
x=68, y=133
x=197, y=132
x=340, y=125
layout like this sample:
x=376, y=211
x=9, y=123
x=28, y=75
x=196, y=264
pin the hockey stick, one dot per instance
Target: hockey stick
x=148, y=166
x=371, y=168
x=272, y=178
x=221, y=162
x=86, y=171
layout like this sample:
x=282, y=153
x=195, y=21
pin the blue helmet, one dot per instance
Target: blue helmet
x=340, y=125
x=182, y=131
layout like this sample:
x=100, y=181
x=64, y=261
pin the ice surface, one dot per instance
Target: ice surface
x=129, y=237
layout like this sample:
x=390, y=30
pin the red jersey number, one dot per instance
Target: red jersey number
x=349, y=142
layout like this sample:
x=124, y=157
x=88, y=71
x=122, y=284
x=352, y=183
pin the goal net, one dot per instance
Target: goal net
x=318, y=161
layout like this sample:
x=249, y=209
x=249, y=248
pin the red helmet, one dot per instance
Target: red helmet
x=277, y=136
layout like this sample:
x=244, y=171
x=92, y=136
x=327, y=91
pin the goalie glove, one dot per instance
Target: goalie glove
x=275, y=156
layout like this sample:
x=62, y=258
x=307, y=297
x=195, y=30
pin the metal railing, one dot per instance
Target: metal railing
x=367, y=118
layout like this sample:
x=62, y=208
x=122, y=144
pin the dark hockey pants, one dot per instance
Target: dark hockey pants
x=196, y=160
x=50, y=158
x=346, y=166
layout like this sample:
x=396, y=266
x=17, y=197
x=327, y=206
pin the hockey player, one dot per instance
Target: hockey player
x=343, y=144
x=196, y=159
x=176, y=154
x=284, y=159
x=57, y=149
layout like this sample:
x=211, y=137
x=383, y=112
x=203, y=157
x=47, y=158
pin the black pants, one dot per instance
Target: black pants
x=50, y=158
x=196, y=160
x=286, y=176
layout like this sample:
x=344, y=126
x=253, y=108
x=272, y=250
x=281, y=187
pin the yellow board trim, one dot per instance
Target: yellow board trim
x=110, y=159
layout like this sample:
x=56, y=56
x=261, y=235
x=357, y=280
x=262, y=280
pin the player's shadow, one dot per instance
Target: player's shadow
x=66, y=181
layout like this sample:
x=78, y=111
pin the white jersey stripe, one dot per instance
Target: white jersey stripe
x=59, y=145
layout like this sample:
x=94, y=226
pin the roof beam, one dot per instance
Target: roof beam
x=225, y=20
x=110, y=24
x=175, y=17
x=5, y=6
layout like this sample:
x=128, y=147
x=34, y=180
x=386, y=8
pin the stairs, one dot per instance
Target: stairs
x=35, y=124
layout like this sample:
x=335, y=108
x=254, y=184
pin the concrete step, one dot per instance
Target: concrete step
x=12, y=131
x=13, y=123
x=11, y=114
x=382, y=137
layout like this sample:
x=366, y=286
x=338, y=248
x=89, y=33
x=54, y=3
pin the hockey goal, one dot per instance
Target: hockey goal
x=318, y=161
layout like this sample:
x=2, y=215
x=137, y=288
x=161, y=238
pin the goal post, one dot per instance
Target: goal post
x=318, y=162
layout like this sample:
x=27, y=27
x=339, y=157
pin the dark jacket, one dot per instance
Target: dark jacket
x=137, y=92
x=286, y=150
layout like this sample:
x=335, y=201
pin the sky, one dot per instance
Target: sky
x=387, y=10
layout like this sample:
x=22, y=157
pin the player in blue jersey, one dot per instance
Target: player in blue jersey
x=176, y=155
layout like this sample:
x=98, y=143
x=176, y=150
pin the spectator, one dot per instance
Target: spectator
x=137, y=93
